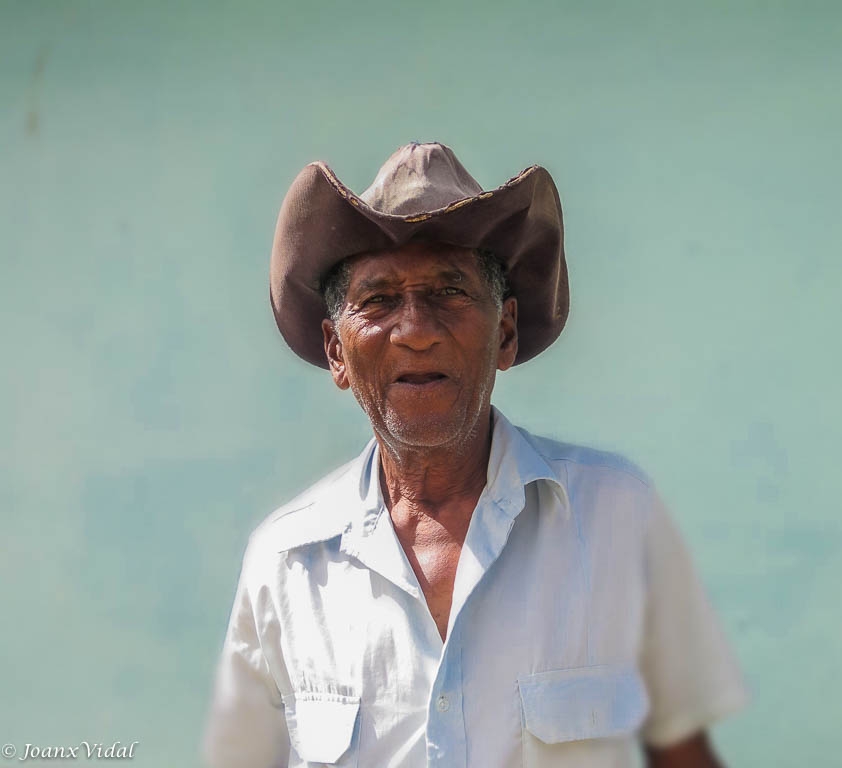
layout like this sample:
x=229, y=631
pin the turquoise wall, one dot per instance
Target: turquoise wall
x=151, y=415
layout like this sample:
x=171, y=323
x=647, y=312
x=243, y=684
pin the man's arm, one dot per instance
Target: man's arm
x=695, y=752
x=690, y=672
x=246, y=727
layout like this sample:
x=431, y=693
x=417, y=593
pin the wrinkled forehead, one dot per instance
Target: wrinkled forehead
x=415, y=261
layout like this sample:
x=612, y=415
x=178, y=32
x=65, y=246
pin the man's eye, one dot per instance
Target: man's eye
x=378, y=299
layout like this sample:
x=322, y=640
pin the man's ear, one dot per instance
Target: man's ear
x=507, y=351
x=333, y=350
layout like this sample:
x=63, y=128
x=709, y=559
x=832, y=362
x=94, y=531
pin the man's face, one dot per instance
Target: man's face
x=419, y=342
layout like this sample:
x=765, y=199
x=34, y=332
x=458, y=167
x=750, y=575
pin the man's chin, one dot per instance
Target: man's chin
x=427, y=430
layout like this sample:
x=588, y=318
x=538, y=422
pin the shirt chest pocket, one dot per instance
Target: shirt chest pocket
x=580, y=716
x=323, y=729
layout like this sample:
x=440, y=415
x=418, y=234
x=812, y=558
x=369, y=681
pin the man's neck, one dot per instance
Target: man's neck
x=433, y=481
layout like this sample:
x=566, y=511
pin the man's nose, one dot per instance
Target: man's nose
x=416, y=326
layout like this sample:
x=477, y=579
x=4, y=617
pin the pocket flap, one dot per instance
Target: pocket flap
x=583, y=703
x=321, y=725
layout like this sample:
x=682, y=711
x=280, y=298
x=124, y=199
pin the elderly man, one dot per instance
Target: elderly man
x=463, y=593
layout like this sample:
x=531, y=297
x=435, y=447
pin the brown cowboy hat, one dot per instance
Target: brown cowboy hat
x=422, y=193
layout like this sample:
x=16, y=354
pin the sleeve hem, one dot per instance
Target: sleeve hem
x=678, y=727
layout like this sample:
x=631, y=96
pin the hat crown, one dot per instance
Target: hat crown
x=418, y=178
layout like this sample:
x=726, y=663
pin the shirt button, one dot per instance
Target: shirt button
x=442, y=703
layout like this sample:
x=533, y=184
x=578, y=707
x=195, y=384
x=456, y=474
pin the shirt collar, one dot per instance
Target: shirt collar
x=513, y=463
x=352, y=504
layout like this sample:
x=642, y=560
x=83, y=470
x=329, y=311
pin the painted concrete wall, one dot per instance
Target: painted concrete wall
x=151, y=416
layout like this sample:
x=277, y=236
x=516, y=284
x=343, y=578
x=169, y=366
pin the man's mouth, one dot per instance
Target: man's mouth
x=419, y=379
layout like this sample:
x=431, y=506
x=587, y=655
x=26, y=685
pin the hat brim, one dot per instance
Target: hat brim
x=322, y=222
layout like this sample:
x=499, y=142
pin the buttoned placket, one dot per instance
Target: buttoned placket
x=488, y=532
x=377, y=547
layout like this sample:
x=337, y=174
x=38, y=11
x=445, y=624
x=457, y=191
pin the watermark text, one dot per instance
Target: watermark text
x=84, y=750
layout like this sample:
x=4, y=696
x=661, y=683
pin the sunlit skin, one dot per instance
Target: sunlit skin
x=419, y=342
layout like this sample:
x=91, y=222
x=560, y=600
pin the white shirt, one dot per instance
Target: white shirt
x=578, y=626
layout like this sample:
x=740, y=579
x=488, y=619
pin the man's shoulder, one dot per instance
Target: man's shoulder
x=574, y=461
x=602, y=488
x=316, y=514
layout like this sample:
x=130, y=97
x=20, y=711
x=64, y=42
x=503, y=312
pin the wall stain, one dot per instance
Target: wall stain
x=33, y=115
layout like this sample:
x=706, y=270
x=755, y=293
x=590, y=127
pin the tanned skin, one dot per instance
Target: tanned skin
x=419, y=343
x=695, y=752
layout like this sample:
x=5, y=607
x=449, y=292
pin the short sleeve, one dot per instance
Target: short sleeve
x=690, y=671
x=246, y=727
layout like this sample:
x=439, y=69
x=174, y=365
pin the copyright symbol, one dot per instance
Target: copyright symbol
x=9, y=751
